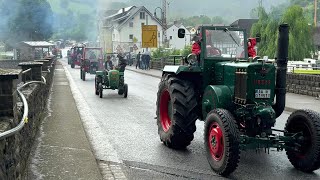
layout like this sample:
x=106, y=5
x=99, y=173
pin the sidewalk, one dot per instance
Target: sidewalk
x=293, y=101
x=63, y=151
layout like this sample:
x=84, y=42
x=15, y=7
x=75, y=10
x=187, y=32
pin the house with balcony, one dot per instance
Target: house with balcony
x=122, y=31
x=174, y=41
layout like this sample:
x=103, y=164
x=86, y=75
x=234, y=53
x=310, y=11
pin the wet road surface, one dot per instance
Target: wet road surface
x=131, y=128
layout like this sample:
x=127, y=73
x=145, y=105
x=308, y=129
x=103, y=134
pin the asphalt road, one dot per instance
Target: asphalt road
x=131, y=128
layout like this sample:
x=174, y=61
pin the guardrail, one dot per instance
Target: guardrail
x=304, y=70
x=24, y=118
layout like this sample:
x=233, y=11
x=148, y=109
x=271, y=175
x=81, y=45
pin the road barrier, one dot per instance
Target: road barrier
x=23, y=97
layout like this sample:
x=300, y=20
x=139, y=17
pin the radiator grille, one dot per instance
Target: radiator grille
x=240, y=88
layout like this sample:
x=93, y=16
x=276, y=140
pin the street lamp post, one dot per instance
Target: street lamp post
x=163, y=24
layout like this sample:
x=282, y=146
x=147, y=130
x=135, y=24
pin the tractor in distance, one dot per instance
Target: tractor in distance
x=234, y=96
x=76, y=55
x=91, y=61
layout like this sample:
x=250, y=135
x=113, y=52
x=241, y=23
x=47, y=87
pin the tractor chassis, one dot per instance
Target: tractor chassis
x=276, y=141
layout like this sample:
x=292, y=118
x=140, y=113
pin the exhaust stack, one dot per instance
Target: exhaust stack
x=281, y=76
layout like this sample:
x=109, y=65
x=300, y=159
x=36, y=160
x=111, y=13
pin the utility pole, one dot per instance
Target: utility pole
x=315, y=12
x=164, y=20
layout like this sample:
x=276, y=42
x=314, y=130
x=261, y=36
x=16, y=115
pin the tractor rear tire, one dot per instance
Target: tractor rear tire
x=72, y=65
x=83, y=75
x=307, y=158
x=222, y=141
x=100, y=90
x=96, y=85
x=125, y=90
x=176, y=112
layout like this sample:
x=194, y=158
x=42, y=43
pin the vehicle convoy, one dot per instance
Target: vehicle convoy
x=234, y=95
x=76, y=55
x=91, y=61
x=112, y=78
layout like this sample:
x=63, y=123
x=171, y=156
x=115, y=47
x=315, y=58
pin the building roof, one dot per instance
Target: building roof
x=244, y=24
x=125, y=14
x=37, y=43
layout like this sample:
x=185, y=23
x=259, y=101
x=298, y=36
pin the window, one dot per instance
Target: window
x=130, y=24
x=159, y=34
x=170, y=37
x=142, y=15
x=113, y=36
x=131, y=36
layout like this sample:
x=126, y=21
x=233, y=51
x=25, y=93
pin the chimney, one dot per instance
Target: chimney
x=122, y=10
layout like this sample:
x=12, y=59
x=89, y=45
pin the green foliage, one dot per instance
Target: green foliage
x=164, y=53
x=186, y=51
x=29, y=20
x=300, y=38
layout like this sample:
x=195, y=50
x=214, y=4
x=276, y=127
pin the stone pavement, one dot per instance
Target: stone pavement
x=293, y=101
x=62, y=150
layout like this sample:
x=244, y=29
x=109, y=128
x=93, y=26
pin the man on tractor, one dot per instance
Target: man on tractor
x=108, y=64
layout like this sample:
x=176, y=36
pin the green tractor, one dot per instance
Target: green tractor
x=234, y=95
x=112, y=79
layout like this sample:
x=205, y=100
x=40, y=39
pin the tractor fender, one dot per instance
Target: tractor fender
x=216, y=96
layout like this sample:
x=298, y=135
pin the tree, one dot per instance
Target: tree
x=32, y=20
x=300, y=38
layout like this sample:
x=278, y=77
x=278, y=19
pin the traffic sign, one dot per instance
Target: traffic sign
x=149, y=36
x=135, y=47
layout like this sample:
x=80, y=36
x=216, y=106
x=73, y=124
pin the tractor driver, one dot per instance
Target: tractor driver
x=108, y=65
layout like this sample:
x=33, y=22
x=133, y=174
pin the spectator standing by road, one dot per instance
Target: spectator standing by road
x=148, y=58
x=143, y=60
x=138, y=60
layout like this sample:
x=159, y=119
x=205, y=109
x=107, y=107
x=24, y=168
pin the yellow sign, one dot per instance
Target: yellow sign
x=149, y=36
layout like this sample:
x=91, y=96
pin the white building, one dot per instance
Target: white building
x=122, y=31
x=174, y=41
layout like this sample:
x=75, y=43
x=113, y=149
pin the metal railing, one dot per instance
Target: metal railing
x=25, y=74
x=24, y=118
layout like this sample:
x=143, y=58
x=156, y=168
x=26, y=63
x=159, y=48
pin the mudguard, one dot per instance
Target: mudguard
x=218, y=96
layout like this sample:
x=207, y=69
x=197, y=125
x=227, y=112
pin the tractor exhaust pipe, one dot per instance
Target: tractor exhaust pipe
x=282, y=60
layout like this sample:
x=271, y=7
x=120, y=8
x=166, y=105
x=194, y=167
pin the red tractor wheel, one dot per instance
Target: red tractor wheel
x=176, y=112
x=221, y=140
x=304, y=154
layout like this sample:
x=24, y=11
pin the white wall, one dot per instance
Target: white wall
x=122, y=36
x=176, y=42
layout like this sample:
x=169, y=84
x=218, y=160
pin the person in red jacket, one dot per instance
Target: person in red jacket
x=251, y=44
x=196, y=46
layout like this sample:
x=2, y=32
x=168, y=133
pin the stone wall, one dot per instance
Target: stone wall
x=15, y=150
x=304, y=84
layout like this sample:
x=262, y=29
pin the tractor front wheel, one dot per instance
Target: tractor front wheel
x=72, y=65
x=83, y=75
x=125, y=90
x=221, y=140
x=176, y=112
x=100, y=90
x=305, y=153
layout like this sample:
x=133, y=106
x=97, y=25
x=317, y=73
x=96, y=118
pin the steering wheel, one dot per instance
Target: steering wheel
x=191, y=59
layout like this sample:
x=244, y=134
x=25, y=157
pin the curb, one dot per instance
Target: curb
x=289, y=109
x=145, y=73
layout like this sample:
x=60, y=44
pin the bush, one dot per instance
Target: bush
x=164, y=53
x=186, y=51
